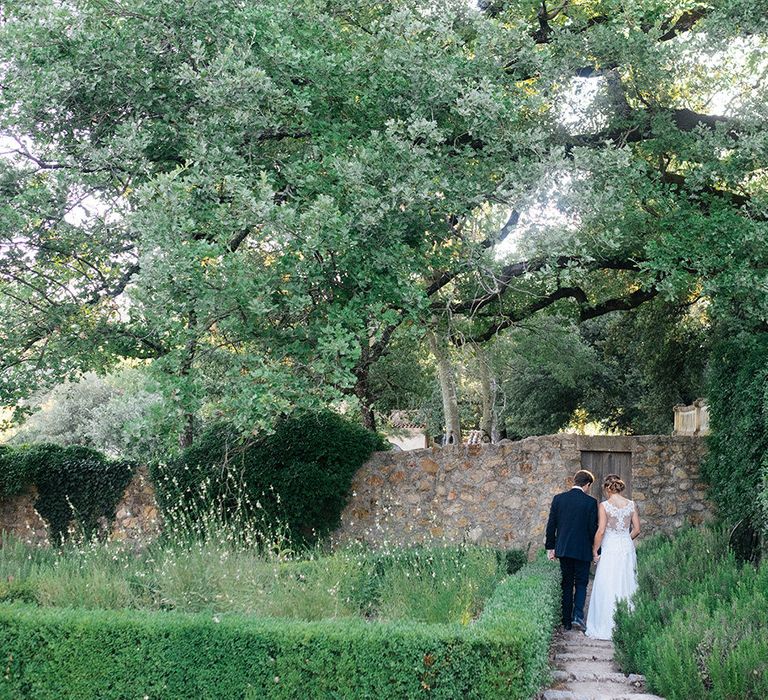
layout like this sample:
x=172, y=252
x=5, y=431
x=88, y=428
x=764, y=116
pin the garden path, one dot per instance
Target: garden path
x=585, y=670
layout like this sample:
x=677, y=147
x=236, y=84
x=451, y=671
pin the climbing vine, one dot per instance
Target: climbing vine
x=76, y=485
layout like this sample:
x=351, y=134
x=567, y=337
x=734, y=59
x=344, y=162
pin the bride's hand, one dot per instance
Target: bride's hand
x=595, y=558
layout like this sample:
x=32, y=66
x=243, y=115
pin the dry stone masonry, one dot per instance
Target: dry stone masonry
x=500, y=494
x=137, y=520
x=492, y=494
x=19, y=518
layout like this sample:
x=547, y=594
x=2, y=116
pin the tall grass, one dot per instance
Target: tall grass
x=207, y=561
x=439, y=584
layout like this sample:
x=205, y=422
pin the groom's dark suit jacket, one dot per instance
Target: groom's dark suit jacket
x=572, y=525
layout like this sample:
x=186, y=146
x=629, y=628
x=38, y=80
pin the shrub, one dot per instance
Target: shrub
x=698, y=629
x=299, y=476
x=73, y=483
x=53, y=653
x=738, y=445
x=527, y=607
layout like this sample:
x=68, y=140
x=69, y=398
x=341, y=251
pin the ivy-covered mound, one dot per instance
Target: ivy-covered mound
x=298, y=477
x=74, y=483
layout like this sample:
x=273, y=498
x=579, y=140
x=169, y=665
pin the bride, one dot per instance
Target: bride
x=616, y=573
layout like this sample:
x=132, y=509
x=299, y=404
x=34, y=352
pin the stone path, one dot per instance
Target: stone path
x=585, y=669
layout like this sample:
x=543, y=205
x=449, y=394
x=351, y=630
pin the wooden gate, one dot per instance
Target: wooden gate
x=603, y=463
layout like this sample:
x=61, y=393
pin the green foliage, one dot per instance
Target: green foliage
x=699, y=622
x=298, y=477
x=111, y=413
x=276, y=187
x=15, y=471
x=443, y=584
x=73, y=484
x=432, y=584
x=404, y=377
x=52, y=652
x=285, y=202
x=648, y=360
x=738, y=445
x=527, y=606
x=544, y=369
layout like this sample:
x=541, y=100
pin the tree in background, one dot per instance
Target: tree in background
x=115, y=414
x=281, y=187
x=649, y=361
x=277, y=183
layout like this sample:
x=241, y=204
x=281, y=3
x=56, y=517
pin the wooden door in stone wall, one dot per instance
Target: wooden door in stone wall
x=603, y=463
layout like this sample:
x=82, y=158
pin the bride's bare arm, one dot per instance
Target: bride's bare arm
x=635, y=531
x=602, y=520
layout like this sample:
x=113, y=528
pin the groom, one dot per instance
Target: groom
x=570, y=531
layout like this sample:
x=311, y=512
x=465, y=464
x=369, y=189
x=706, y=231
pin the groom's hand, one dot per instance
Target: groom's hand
x=551, y=554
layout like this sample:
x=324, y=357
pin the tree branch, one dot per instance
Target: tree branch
x=586, y=310
x=680, y=182
x=510, y=272
x=683, y=24
x=684, y=120
x=626, y=303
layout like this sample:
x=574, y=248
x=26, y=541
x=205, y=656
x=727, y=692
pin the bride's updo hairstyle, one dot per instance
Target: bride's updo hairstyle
x=613, y=484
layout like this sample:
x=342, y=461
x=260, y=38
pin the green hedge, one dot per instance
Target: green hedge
x=738, y=445
x=56, y=653
x=699, y=627
x=73, y=483
x=300, y=475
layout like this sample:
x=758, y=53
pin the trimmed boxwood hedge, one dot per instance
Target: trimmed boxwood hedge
x=56, y=653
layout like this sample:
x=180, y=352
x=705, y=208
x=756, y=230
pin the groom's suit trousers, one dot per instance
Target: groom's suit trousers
x=575, y=575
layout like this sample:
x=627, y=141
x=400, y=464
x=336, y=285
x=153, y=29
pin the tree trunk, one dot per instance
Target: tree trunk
x=488, y=390
x=452, y=430
x=187, y=435
x=366, y=409
x=362, y=388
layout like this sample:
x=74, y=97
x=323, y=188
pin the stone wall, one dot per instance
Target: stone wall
x=137, y=519
x=493, y=494
x=19, y=518
x=500, y=494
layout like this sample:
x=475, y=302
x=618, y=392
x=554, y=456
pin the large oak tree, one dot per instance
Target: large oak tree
x=275, y=187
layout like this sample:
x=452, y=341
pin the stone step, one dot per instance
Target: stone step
x=590, y=673
x=585, y=670
x=581, y=639
x=576, y=669
x=596, y=693
x=587, y=654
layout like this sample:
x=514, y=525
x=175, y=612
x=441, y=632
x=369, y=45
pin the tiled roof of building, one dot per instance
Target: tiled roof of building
x=405, y=419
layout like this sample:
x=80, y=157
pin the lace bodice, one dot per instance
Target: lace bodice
x=618, y=518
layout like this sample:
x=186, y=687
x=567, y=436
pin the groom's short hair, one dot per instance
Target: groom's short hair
x=583, y=477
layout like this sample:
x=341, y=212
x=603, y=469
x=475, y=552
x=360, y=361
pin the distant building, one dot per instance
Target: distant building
x=693, y=419
x=405, y=431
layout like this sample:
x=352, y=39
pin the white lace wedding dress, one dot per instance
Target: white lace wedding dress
x=616, y=573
